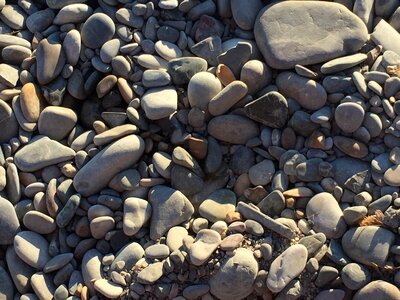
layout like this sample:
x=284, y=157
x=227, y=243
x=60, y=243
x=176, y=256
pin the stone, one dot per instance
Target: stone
x=100, y=226
x=42, y=285
x=91, y=268
x=32, y=248
x=151, y=273
x=236, y=276
x=114, y=158
x=256, y=75
x=349, y=116
x=57, y=262
x=56, y=122
x=9, y=75
x=175, y=237
x=50, y=60
x=308, y=93
x=270, y=109
x=170, y=208
x=184, y=68
x=42, y=152
x=157, y=251
x=202, y=87
x=378, y=289
x=346, y=167
x=262, y=173
x=350, y=146
x=39, y=222
x=108, y=288
x=391, y=176
x=273, y=204
x=206, y=242
x=185, y=180
x=73, y=13
x=31, y=101
x=353, y=215
x=97, y=29
x=15, y=54
x=128, y=255
x=159, y=103
x=342, y=63
x=368, y=245
x=67, y=213
x=286, y=38
x=231, y=242
x=384, y=34
x=245, y=14
x=227, y=97
x=13, y=16
x=155, y=78
x=72, y=46
x=313, y=243
x=19, y=271
x=136, y=214
x=209, y=49
x=232, y=129
x=6, y=285
x=286, y=267
x=326, y=215
x=9, y=222
x=236, y=56
x=355, y=276
x=167, y=50
x=217, y=205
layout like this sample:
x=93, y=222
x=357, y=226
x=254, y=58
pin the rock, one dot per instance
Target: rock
x=184, y=68
x=57, y=262
x=232, y=129
x=186, y=181
x=108, y=288
x=262, y=173
x=378, y=289
x=349, y=116
x=326, y=215
x=326, y=275
x=32, y=248
x=40, y=20
x=355, y=276
x=256, y=75
x=159, y=103
x=209, y=49
x=351, y=147
x=313, y=243
x=331, y=294
x=245, y=14
x=72, y=46
x=384, y=34
x=157, y=251
x=43, y=286
x=285, y=46
x=98, y=29
x=73, y=13
x=167, y=50
x=231, y=242
x=235, y=278
x=236, y=56
x=56, y=122
x=6, y=285
x=273, y=204
x=114, y=158
x=352, y=215
x=100, y=226
x=286, y=267
x=270, y=110
x=345, y=167
x=225, y=99
x=391, y=176
x=9, y=222
x=155, y=78
x=50, y=60
x=91, y=268
x=19, y=271
x=308, y=93
x=128, y=256
x=31, y=101
x=202, y=87
x=9, y=75
x=368, y=245
x=136, y=214
x=206, y=242
x=39, y=222
x=170, y=208
x=13, y=16
x=217, y=205
x=151, y=273
x=343, y=63
x=67, y=213
x=42, y=152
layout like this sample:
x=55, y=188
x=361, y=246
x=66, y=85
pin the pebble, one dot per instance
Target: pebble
x=206, y=242
x=159, y=103
x=32, y=248
x=42, y=285
x=50, y=60
x=215, y=207
x=31, y=101
x=326, y=215
x=8, y=75
x=245, y=15
x=355, y=276
x=56, y=122
x=175, y=237
x=227, y=97
x=279, y=45
x=114, y=158
x=286, y=267
x=235, y=277
x=262, y=173
x=184, y=68
x=72, y=46
x=308, y=93
x=170, y=208
x=232, y=129
x=202, y=87
x=158, y=251
x=231, y=242
x=97, y=29
x=349, y=116
x=73, y=13
x=39, y=222
x=368, y=245
x=137, y=212
x=343, y=63
x=167, y=50
x=378, y=289
x=351, y=147
x=108, y=288
x=151, y=274
x=128, y=256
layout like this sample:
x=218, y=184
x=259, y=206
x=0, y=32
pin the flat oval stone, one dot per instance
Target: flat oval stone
x=73, y=13
x=98, y=29
x=32, y=248
x=72, y=46
x=392, y=176
x=42, y=285
x=308, y=93
x=227, y=97
x=114, y=158
x=42, y=152
x=13, y=16
x=202, y=87
x=286, y=33
x=351, y=147
x=159, y=103
x=157, y=251
x=349, y=116
x=368, y=245
x=236, y=276
x=378, y=289
x=245, y=13
x=343, y=63
x=56, y=122
x=128, y=255
x=286, y=267
x=217, y=205
x=9, y=222
x=232, y=129
x=39, y=222
x=326, y=215
x=31, y=101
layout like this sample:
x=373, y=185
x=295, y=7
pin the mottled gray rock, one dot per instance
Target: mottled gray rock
x=98, y=29
x=286, y=33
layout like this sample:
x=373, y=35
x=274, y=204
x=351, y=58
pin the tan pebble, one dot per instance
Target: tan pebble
x=233, y=216
x=105, y=85
x=316, y=140
x=241, y=184
x=197, y=146
x=298, y=192
x=31, y=101
x=84, y=293
x=290, y=202
x=224, y=74
x=125, y=90
x=69, y=170
x=99, y=126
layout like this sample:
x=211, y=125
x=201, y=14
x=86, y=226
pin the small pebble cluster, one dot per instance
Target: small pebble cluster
x=199, y=149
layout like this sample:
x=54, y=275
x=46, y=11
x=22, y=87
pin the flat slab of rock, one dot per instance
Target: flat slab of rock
x=42, y=152
x=305, y=33
x=113, y=159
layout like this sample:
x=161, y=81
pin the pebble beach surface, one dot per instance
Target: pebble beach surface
x=199, y=149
